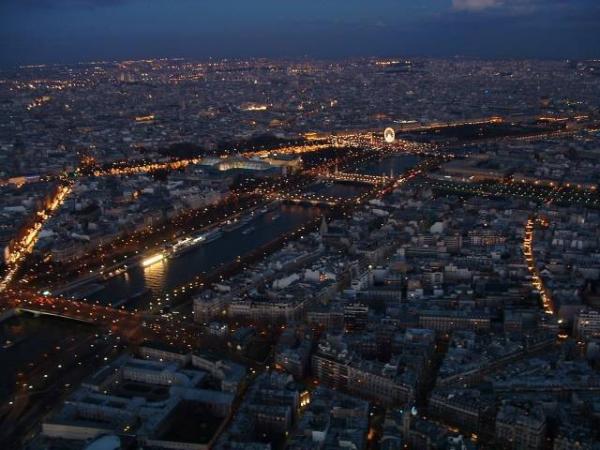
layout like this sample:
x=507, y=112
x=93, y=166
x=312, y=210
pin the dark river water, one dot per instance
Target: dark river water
x=171, y=273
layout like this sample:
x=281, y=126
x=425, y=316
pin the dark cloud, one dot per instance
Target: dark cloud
x=475, y=5
x=523, y=7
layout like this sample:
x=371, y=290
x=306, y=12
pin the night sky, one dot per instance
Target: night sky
x=48, y=31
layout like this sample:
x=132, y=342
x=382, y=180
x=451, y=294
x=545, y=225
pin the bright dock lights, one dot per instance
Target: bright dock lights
x=153, y=259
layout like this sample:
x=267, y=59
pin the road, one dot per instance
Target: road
x=24, y=247
x=536, y=279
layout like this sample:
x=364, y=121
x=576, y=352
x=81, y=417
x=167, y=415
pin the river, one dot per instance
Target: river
x=171, y=273
x=164, y=276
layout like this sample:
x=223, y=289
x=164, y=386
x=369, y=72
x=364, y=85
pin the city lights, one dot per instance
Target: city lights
x=153, y=259
x=403, y=248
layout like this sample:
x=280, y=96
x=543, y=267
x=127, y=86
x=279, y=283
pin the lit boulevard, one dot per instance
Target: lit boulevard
x=528, y=251
x=27, y=243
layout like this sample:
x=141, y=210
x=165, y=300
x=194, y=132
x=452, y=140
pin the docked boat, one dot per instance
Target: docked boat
x=233, y=225
x=210, y=236
x=183, y=246
x=236, y=223
x=114, y=273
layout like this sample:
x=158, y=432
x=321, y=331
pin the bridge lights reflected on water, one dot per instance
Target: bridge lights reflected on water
x=155, y=273
x=151, y=260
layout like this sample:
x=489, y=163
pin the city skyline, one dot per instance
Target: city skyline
x=67, y=31
x=286, y=225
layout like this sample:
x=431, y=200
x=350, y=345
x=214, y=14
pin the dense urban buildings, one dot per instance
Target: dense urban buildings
x=230, y=254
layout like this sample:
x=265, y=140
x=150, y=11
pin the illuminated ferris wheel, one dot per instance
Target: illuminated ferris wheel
x=389, y=135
